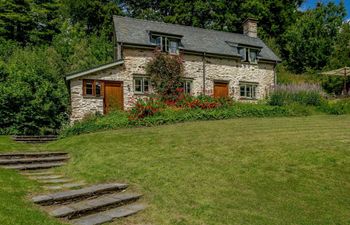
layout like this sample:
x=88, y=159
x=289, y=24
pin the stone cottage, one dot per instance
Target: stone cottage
x=216, y=63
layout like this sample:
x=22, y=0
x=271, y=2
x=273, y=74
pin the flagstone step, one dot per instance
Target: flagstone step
x=109, y=215
x=97, y=204
x=33, y=166
x=83, y=193
x=46, y=177
x=33, y=160
x=63, y=186
x=55, y=181
x=38, y=173
x=31, y=154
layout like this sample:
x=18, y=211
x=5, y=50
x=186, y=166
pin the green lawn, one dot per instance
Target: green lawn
x=242, y=171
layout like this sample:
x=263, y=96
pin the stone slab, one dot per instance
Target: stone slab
x=32, y=160
x=47, y=177
x=55, y=181
x=104, y=201
x=83, y=192
x=109, y=215
x=31, y=154
x=34, y=166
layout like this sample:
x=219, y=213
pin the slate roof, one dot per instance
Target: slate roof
x=136, y=31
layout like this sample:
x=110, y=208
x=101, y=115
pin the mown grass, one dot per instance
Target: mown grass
x=241, y=171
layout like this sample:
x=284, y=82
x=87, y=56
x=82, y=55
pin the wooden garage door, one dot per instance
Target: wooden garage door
x=220, y=89
x=113, y=96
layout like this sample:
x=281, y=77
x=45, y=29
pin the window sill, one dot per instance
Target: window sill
x=92, y=97
x=247, y=99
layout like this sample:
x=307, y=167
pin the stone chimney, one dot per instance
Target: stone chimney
x=250, y=27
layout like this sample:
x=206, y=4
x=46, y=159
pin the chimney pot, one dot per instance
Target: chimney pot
x=250, y=27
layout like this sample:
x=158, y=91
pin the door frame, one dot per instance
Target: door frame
x=106, y=82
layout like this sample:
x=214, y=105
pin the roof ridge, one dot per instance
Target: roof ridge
x=192, y=27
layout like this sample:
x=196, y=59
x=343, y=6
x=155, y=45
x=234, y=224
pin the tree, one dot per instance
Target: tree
x=310, y=41
x=93, y=15
x=34, y=97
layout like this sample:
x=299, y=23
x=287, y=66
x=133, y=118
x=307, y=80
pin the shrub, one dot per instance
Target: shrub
x=305, y=94
x=336, y=107
x=144, y=108
x=166, y=73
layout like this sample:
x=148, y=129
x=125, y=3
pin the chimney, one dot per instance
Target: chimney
x=250, y=27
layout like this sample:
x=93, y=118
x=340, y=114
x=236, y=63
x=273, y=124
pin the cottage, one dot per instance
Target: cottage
x=216, y=63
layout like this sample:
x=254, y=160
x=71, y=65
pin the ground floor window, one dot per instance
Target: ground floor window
x=141, y=85
x=248, y=90
x=187, y=86
x=92, y=88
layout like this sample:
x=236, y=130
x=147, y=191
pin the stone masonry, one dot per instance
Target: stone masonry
x=231, y=70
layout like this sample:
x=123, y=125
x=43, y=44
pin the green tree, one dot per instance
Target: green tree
x=34, y=97
x=93, y=15
x=310, y=41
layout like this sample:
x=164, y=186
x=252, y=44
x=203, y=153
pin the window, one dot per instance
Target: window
x=166, y=44
x=187, y=86
x=93, y=88
x=248, y=54
x=141, y=85
x=248, y=90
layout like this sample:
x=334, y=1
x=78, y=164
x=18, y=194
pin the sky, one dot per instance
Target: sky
x=312, y=3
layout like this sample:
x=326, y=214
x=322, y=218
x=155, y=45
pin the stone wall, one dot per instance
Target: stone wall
x=229, y=70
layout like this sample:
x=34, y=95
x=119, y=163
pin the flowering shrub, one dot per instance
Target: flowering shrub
x=144, y=108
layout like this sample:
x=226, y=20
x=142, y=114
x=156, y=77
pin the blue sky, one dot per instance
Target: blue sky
x=312, y=3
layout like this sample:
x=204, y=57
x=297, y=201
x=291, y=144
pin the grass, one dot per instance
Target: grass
x=241, y=171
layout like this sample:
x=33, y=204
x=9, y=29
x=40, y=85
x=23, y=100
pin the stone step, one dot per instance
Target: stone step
x=68, y=196
x=97, y=204
x=46, y=177
x=109, y=215
x=63, y=186
x=33, y=160
x=55, y=181
x=40, y=173
x=30, y=154
x=33, y=166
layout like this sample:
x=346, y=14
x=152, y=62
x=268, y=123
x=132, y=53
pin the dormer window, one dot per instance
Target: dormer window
x=166, y=44
x=248, y=54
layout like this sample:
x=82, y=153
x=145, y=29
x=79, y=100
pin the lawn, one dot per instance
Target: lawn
x=242, y=171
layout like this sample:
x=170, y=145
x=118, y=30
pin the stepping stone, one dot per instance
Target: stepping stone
x=32, y=160
x=31, y=154
x=34, y=166
x=109, y=215
x=43, y=173
x=46, y=177
x=96, y=204
x=55, y=181
x=76, y=194
x=68, y=185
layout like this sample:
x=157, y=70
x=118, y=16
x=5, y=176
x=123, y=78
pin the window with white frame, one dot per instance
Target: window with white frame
x=248, y=90
x=166, y=44
x=187, y=86
x=248, y=54
x=141, y=85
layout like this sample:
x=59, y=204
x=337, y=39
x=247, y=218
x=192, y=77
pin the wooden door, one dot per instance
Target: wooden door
x=220, y=89
x=113, y=96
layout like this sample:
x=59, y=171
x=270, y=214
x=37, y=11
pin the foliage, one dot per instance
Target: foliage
x=93, y=15
x=33, y=98
x=310, y=41
x=170, y=115
x=305, y=94
x=336, y=107
x=166, y=73
x=341, y=55
x=144, y=108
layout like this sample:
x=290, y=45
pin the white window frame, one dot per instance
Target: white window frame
x=164, y=43
x=142, y=79
x=252, y=90
x=187, y=86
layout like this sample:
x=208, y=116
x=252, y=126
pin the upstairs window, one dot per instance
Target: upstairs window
x=166, y=44
x=248, y=55
x=141, y=85
x=248, y=90
x=93, y=88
